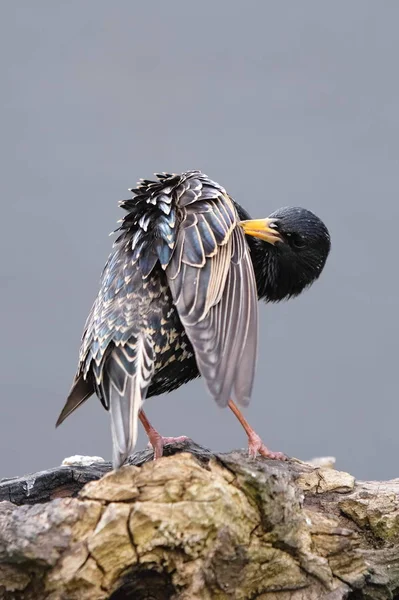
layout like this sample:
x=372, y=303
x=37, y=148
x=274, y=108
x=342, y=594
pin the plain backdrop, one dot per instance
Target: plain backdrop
x=283, y=103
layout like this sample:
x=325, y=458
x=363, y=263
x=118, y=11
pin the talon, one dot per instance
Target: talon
x=156, y=441
x=175, y=440
x=256, y=446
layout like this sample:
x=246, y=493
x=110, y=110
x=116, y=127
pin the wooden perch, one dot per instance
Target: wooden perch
x=198, y=525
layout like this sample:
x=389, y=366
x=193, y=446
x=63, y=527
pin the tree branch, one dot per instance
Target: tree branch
x=198, y=525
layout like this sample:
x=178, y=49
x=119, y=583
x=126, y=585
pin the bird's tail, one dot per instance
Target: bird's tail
x=128, y=385
x=124, y=410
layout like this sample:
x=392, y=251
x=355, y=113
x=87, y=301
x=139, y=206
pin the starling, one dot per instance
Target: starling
x=178, y=299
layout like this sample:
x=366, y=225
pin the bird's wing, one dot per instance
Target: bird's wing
x=81, y=390
x=118, y=346
x=213, y=286
x=116, y=355
x=82, y=387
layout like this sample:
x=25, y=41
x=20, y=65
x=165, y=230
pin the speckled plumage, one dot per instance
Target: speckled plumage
x=177, y=299
x=179, y=272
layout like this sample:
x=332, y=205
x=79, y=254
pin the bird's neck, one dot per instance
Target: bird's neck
x=277, y=276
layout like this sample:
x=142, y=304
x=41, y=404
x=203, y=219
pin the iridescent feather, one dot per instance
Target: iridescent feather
x=178, y=283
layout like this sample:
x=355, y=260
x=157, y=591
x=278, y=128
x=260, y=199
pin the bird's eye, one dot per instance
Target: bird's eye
x=296, y=241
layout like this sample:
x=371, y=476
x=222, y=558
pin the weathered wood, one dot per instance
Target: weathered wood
x=198, y=525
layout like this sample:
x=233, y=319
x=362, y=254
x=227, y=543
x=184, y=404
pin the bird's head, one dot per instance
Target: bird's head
x=292, y=252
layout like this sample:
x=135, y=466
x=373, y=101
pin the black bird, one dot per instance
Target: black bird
x=178, y=299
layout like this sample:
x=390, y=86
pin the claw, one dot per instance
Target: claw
x=256, y=446
x=157, y=442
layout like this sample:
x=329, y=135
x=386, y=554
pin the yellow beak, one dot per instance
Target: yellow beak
x=263, y=229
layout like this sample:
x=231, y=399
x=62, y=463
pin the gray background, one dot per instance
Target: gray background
x=284, y=103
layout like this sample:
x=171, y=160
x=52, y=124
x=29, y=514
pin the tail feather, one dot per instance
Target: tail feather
x=127, y=377
x=124, y=411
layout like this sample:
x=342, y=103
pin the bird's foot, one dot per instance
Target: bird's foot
x=157, y=442
x=256, y=446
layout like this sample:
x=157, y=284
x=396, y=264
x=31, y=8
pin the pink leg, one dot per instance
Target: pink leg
x=156, y=439
x=255, y=444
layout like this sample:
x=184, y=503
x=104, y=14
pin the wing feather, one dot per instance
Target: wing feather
x=215, y=294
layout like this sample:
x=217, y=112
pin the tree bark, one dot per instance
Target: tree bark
x=195, y=524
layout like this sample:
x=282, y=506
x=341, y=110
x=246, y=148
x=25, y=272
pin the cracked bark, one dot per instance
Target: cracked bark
x=198, y=525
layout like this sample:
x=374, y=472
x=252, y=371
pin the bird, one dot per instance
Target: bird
x=178, y=299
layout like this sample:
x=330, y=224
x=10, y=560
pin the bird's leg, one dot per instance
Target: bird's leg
x=156, y=439
x=255, y=444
